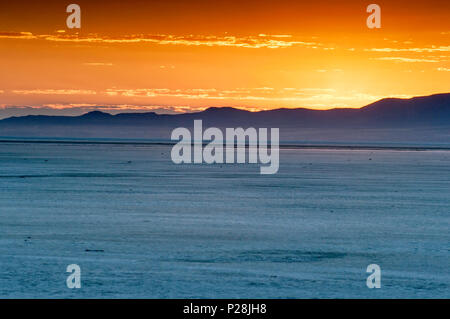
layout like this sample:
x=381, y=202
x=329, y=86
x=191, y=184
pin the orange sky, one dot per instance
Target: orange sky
x=189, y=55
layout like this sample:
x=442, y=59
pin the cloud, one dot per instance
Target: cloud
x=17, y=35
x=185, y=100
x=420, y=50
x=97, y=64
x=329, y=70
x=443, y=69
x=400, y=59
x=311, y=90
x=325, y=95
x=237, y=94
x=260, y=41
x=54, y=92
x=260, y=94
x=187, y=93
x=167, y=67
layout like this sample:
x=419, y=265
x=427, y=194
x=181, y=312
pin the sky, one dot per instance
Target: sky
x=184, y=56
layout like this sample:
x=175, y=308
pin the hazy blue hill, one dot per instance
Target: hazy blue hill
x=96, y=115
x=425, y=110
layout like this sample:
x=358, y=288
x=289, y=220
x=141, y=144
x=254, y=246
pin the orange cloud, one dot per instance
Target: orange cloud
x=54, y=92
x=400, y=59
x=97, y=64
x=254, y=42
x=420, y=50
x=17, y=35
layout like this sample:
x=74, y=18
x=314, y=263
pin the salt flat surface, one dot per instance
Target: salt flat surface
x=222, y=231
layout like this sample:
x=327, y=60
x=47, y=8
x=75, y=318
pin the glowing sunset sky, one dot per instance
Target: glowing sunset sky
x=190, y=55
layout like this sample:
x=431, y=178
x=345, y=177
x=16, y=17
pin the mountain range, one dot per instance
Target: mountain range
x=430, y=114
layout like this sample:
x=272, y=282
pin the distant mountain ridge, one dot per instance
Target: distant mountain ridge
x=426, y=112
